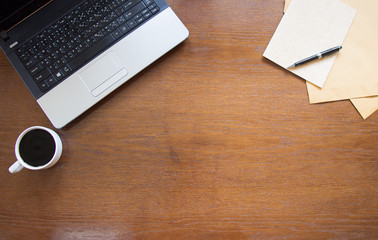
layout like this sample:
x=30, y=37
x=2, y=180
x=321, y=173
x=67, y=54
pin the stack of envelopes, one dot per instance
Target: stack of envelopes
x=311, y=26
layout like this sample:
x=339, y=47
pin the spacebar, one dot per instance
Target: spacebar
x=91, y=52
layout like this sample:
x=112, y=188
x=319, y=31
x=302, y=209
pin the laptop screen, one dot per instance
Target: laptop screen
x=14, y=11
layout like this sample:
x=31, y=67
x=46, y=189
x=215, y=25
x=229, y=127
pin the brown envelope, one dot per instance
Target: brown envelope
x=355, y=72
x=366, y=106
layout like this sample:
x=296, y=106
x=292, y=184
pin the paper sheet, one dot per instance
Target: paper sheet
x=307, y=28
x=345, y=82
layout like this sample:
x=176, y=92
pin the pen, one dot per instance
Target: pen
x=317, y=56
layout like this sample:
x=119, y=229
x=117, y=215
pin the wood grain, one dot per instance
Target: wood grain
x=210, y=142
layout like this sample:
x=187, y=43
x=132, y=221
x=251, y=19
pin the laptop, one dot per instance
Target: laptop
x=72, y=53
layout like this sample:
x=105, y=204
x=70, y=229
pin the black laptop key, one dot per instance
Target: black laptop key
x=82, y=16
x=74, y=42
x=113, y=5
x=116, y=34
x=148, y=2
x=83, y=25
x=68, y=35
x=154, y=9
x=113, y=25
x=98, y=35
x=45, y=52
x=120, y=2
x=34, y=70
x=59, y=53
x=97, y=6
x=76, y=31
x=60, y=62
x=131, y=23
x=59, y=42
x=83, y=46
x=124, y=29
x=24, y=57
x=97, y=16
x=37, y=57
x=134, y=10
x=66, y=70
x=139, y=18
x=105, y=21
x=52, y=58
x=53, y=67
x=54, y=46
x=152, y=6
x=41, y=76
x=147, y=14
x=51, y=81
x=29, y=64
x=119, y=11
x=68, y=57
x=106, y=30
x=58, y=75
x=144, y=11
x=105, y=11
x=51, y=38
x=112, y=16
x=89, y=32
x=91, y=20
x=44, y=63
x=75, y=52
x=87, y=3
x=97, y=26
x=128, y=4
x=43, y=86
x=81, y=37
x=90, y=41
x=66, y=48
x=121, y=20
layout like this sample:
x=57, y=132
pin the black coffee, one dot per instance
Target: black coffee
x=37, y=147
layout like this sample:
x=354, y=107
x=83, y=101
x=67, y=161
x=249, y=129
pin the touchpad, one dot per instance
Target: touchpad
x=103, y=73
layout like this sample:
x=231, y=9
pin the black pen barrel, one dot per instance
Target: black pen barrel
x=306, y=60
x=330, y=51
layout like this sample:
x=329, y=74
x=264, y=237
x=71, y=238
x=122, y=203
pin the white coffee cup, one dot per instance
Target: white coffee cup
x=37, y=148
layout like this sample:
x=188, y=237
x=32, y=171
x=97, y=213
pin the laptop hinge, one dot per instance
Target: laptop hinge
x=4, y=35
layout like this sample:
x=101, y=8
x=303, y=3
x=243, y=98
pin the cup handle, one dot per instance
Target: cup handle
x=16, y=167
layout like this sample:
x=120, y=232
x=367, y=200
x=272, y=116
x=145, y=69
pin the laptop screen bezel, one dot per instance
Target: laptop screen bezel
x=21, y=13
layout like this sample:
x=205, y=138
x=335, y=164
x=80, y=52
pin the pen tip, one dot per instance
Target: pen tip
x=291, y=66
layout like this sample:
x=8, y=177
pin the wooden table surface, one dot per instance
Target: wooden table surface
x=210, y=142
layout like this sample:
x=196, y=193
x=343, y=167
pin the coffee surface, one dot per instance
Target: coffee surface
x=37, y=147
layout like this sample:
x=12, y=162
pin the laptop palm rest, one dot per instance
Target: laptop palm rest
x=103, y=73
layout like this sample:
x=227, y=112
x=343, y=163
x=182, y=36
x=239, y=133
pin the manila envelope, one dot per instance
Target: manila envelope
x=366, y=106
x=355, y=73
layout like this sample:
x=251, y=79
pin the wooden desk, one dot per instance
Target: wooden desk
x=210, y=142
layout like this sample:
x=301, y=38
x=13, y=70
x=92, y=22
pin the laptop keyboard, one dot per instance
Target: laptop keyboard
x=69, y=43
